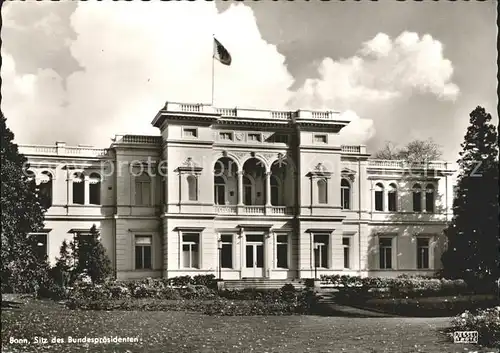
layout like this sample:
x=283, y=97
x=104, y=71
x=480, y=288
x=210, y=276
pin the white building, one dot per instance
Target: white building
x=256, y=193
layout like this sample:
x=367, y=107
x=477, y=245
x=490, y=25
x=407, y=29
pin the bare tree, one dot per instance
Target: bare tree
x=414, y=152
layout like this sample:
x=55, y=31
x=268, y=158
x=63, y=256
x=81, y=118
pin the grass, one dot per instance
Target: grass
x=174, y=331
x=429, y=306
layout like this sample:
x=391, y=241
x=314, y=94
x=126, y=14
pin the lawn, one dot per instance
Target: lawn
x=192, y=332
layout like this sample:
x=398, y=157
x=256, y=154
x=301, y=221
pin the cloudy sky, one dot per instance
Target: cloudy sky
x=82, y=72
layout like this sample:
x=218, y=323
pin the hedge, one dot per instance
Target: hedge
x=401, y=287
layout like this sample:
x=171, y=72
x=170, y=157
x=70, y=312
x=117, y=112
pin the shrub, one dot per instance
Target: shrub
x=402, y=287
x=485, y=322
x=179, y=281
x=205, y=280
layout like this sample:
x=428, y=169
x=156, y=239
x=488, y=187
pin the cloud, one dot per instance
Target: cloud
x=135, y=57
x=383, y=70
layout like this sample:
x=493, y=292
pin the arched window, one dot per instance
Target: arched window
x=345, y=194
x=192, y=182
x=78, y=189
x=392, y=197
x=30, y=175
x=275, y=191
x=429, y=198
x=247, y=191
x=45, y=188
x=95, y=189
x=379, y=197
x=417, y=198
x=219, y=190
x=143, y=190
x=322, y=191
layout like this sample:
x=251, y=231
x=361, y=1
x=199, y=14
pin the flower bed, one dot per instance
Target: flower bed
x=401, y=287
x=485, y=322
x=158, y=295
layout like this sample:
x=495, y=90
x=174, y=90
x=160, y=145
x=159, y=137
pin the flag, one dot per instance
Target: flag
x=221, y=53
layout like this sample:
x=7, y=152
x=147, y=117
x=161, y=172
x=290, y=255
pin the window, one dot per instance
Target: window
x=219, y=191
x=279, y=138
x=95, y=189
x=379, y=197
x=422, y=253
x=45, y=188
x=78, y=189
x=41, y=245
x=190, y=250
x=282, y=251
x=429, y=198
x=345, y=194
x=274, y=191
x=192, y=182
x=254, y=137
x=321, y=251
x=320, y=138
x=228, y=136
x=190, y=132
x=322, y=191
x=417, y=198
x=143, y=252
x=143, y=190
x=346, y=244
x=385, y=249
x=247, y=190
x=226, y=251
x=392, y=198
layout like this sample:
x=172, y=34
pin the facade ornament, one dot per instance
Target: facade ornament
x=190, y=165
x=348, y=174
x=238, y=136
x=320, y=167
x=319, y=171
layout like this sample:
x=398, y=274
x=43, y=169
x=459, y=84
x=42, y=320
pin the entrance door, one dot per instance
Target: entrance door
x=254, y=256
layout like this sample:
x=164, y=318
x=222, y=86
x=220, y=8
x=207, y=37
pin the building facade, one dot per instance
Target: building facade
x=245, y=194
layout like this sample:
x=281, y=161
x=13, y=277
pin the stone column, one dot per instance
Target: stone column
x=240, y=187
x=86, y=190
x=268, y=189
x=242, y=251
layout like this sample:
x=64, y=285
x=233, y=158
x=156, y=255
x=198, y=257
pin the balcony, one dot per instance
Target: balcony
x=254, y=210
x=285, y=115
x=400, y=164
x=60, y=149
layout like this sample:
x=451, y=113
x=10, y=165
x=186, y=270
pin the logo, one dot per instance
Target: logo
x=465, y=336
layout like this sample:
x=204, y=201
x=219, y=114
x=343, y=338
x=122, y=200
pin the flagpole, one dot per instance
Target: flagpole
x=213, y=68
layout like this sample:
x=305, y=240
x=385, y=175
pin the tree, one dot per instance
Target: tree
x=473, y=239
x=90, y=256
x=416, y=151
x=22, y=213
x=62, y=271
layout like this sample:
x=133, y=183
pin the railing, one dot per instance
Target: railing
x=253, y=210
x=225, y=209
x=281, y=115
x=63, y=150
x=257, y=210
x=140, y=139
x=85, y=151
x=251, y=113
x=226, y=111
x=281, y=210
x=408, y=165
x=351, y=149
x=321, y=115
x=31, y=149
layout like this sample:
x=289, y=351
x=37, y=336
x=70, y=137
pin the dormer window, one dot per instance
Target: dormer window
x=190, y=132
x=254, y=137
x=321, y=139
x=226, y=136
